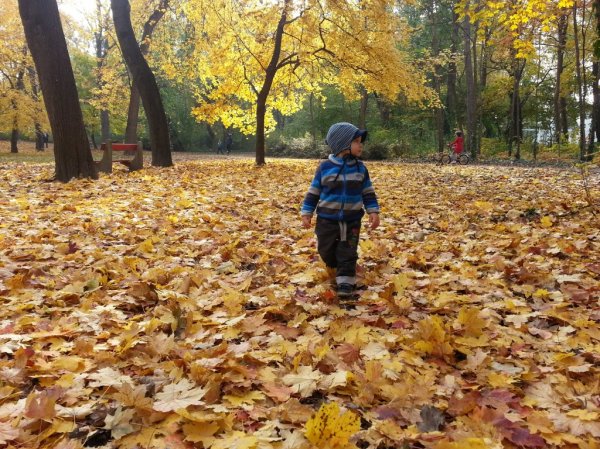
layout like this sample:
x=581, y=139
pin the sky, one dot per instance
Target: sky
x=77, y=8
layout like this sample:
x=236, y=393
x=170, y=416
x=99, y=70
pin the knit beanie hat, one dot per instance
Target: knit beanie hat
x=340, y=136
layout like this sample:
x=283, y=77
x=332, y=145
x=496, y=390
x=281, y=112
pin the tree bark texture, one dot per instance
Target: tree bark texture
x=515, y=137
x=580, y=86
x=471, y=91
x=46, y=41
x=146, y=84
x=362, y=112
x=559, y=129
x=133, y=110
x=39, y=134
x=14, y=135
x=101, y=42
x=591, y=145
x=438, y=113
x=263, y=94
x=451, y=97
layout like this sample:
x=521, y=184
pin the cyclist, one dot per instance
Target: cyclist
x=457, y=146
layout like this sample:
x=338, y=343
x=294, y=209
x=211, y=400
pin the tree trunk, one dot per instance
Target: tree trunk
x=313, y=125
x=451, y=97
x=591, y=146
x=133, y=110
x=46, y=41
x=101, y=51
x=515, y=137
x=580, y=87
x=596, y=92
x=362, y=112
x=438, y=113
x=14, y=135
x=560, y=51
x=261, y=98
x=39, y=137
x=14, y=139
x=133, y=113
x=212, y=137
x=385, y=112
x=144, y=78
x=471, y=91
x=94, y=140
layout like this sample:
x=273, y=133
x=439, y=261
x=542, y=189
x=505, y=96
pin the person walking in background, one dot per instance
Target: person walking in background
x=228, y=142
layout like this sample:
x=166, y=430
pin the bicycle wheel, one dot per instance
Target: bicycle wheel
x=445, y=159
x=463, y=159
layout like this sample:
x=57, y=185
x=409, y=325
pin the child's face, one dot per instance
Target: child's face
x=356, y=148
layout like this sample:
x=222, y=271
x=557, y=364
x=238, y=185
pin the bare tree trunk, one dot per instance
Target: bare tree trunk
x=580, y=86
x=133, y=111
x=362, y=113
x=39, y=137
x=438, y=113
x=46, y=41
x=14, y=135
x=313, y=125
x=516, y=132
x=144, y=78
x=101, y=43
x=560, y=51
x=591, y=146
x=451, y=97
x=385, y=112
x=262, y=95
x=212, y=137
x=471, y=91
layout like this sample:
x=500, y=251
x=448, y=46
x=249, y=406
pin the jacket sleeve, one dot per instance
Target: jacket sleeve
x=368, y=195
x=312, y=196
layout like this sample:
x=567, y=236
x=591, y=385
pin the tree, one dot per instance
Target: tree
x=252, y=58
x=46, y=41
x=21, y=112
x=134, y=98
x=101, y=47
x=146, y=84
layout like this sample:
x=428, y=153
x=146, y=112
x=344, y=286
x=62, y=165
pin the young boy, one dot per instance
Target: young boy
x=340, y=191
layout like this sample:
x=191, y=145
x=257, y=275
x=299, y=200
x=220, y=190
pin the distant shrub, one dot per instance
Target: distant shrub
x=297, y=147
x=378, y=151
x=493, y=148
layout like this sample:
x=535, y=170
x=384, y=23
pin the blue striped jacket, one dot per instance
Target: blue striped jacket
x=340, y=190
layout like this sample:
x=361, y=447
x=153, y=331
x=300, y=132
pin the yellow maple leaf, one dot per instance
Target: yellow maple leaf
x=236, y=440
x=247, y=398
x=546, y=222
x=330, y=429
x=146, y=246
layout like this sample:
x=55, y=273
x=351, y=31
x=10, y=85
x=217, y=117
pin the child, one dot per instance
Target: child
x=339, y=191
x=457, y=146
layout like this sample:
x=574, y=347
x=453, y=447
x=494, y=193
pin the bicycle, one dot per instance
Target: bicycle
x=446, y=158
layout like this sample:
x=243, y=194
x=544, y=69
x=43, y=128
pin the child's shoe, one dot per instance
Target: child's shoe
x=345, y=290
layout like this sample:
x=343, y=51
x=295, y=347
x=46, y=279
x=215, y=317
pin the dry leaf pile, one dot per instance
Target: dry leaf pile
x=186, y=307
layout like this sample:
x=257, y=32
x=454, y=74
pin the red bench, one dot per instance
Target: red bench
x=133, y=149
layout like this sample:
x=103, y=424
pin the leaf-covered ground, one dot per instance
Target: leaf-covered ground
x=186, y=307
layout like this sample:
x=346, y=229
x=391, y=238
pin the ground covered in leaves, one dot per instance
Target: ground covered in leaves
x=186, y=307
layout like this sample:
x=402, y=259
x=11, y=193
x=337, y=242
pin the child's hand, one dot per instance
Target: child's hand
x=373, y=220
x=306, y=219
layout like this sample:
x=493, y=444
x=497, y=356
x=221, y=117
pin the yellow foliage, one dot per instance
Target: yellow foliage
x=231, y=60
x=328, y=429
x=432, y=337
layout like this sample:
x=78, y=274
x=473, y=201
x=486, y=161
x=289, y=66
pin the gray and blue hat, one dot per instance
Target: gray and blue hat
x=340, y=136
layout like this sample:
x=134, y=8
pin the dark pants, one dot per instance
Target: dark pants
x=335, y=250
